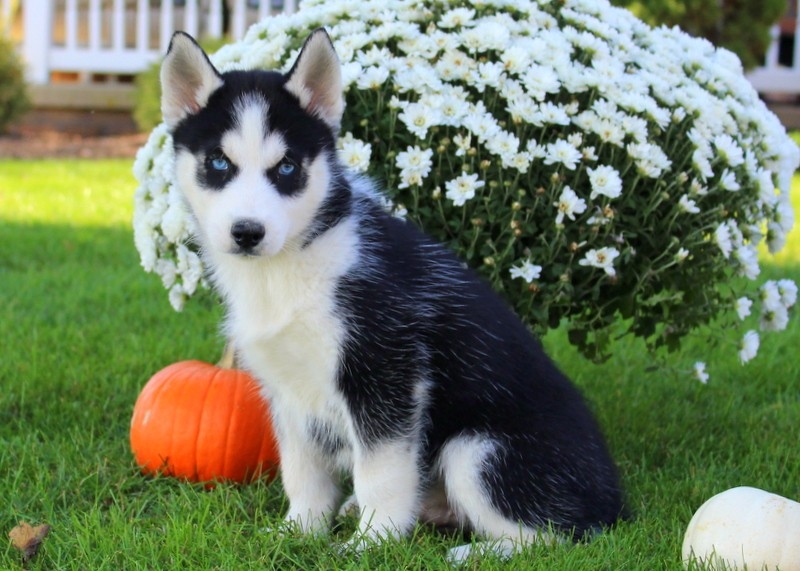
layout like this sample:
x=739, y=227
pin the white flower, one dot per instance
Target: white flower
x=747, y=256
x=610, y=132
x=766, y=187
x=687, y=205
x=605, y=180
x=481, y=123
x=521, y=161
x=414, y=164
x=552, y=114
x=774, y=319
x=748, y=347
x=722, y=236
x=729, y=150
x=728, y=181
x=650, y=158
x=505, y=145
x=372, y=77
x=700, y=372
x=400, y=211
x=569, y=204
x=462, y=188
x=776, y=238
x=173, y=221
x=702, y=163
x=177, y=297
x=455, y=65
x=515, y=59
x=784, y=213
x=527, y=271
x=457, y=17
x=190, y=269
x=417, y=75
x=788, y=291
x=453, y=107
x=770, y=296
x=743, y=305
x=486, y=36
x=681, y=255
x=602, y=258
x=167, y=270
x=562, y=152
x=462, y=143
x=418, y=118
x=144, y=238
x=409, y=178
x=488, y=74
x=351, y=72
x=355, y=154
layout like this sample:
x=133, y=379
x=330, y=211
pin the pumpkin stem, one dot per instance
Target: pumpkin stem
x=228, y=359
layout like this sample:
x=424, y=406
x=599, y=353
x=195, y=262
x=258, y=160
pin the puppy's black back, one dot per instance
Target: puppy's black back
x=426, y=332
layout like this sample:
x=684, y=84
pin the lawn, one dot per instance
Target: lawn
x=83, y=328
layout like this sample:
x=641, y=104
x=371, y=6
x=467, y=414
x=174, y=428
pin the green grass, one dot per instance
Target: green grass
x=82, y=328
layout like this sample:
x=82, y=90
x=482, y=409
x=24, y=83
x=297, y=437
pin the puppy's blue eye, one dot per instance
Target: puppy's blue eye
x=285, y=169
x=220, y=164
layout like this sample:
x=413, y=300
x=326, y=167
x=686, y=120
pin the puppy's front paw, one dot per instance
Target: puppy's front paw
x=503, y=549
x=283, y=528
x=353, y=547
x=307, y=523
x=358, y=544
x=349, y=508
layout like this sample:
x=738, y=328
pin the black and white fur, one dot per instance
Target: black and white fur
x=382, y=356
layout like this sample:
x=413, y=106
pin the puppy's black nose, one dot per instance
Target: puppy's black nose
x=248, y=233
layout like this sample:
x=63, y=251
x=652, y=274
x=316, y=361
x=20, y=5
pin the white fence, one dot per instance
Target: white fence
x=121, y=36
x=773, y=77
x=118, y=37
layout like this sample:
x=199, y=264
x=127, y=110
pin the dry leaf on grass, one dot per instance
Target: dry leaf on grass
x=28, y=538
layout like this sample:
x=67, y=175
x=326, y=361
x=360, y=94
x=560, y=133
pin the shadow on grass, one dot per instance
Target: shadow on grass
x=83, y=326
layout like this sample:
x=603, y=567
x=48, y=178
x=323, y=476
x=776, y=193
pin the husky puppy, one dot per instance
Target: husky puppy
x=381, y=355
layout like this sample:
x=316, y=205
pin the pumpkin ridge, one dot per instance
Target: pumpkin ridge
x=199, y=435
x=227, y=449
x=185, y=462
x=147, y=398
x=163, y=466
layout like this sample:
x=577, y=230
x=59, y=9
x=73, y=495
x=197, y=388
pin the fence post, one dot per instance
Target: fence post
x=37, y=35
x=796, y=44
x=238, y=20
x=214, y=19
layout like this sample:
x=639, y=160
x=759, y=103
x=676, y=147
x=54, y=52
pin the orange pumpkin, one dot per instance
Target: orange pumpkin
x=204, y=423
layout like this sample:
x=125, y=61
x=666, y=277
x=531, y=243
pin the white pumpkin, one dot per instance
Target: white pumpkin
x=745, y=527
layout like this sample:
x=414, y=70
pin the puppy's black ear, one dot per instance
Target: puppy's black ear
x=316, y=79
x=187, y=79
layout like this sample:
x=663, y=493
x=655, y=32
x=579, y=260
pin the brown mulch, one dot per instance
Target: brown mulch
x=53, y=134
x=53, y=144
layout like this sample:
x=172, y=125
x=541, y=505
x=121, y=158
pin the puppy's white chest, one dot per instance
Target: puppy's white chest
x=298, y=362
x=285, y=326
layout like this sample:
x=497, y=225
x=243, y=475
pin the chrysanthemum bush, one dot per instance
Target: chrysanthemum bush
x=597, y=171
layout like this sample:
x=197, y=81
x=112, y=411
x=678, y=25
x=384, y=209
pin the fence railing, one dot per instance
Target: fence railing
x=118, y=37
x=781, y=70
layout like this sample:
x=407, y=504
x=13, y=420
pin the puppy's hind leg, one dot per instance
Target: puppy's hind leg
x=462, y=464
